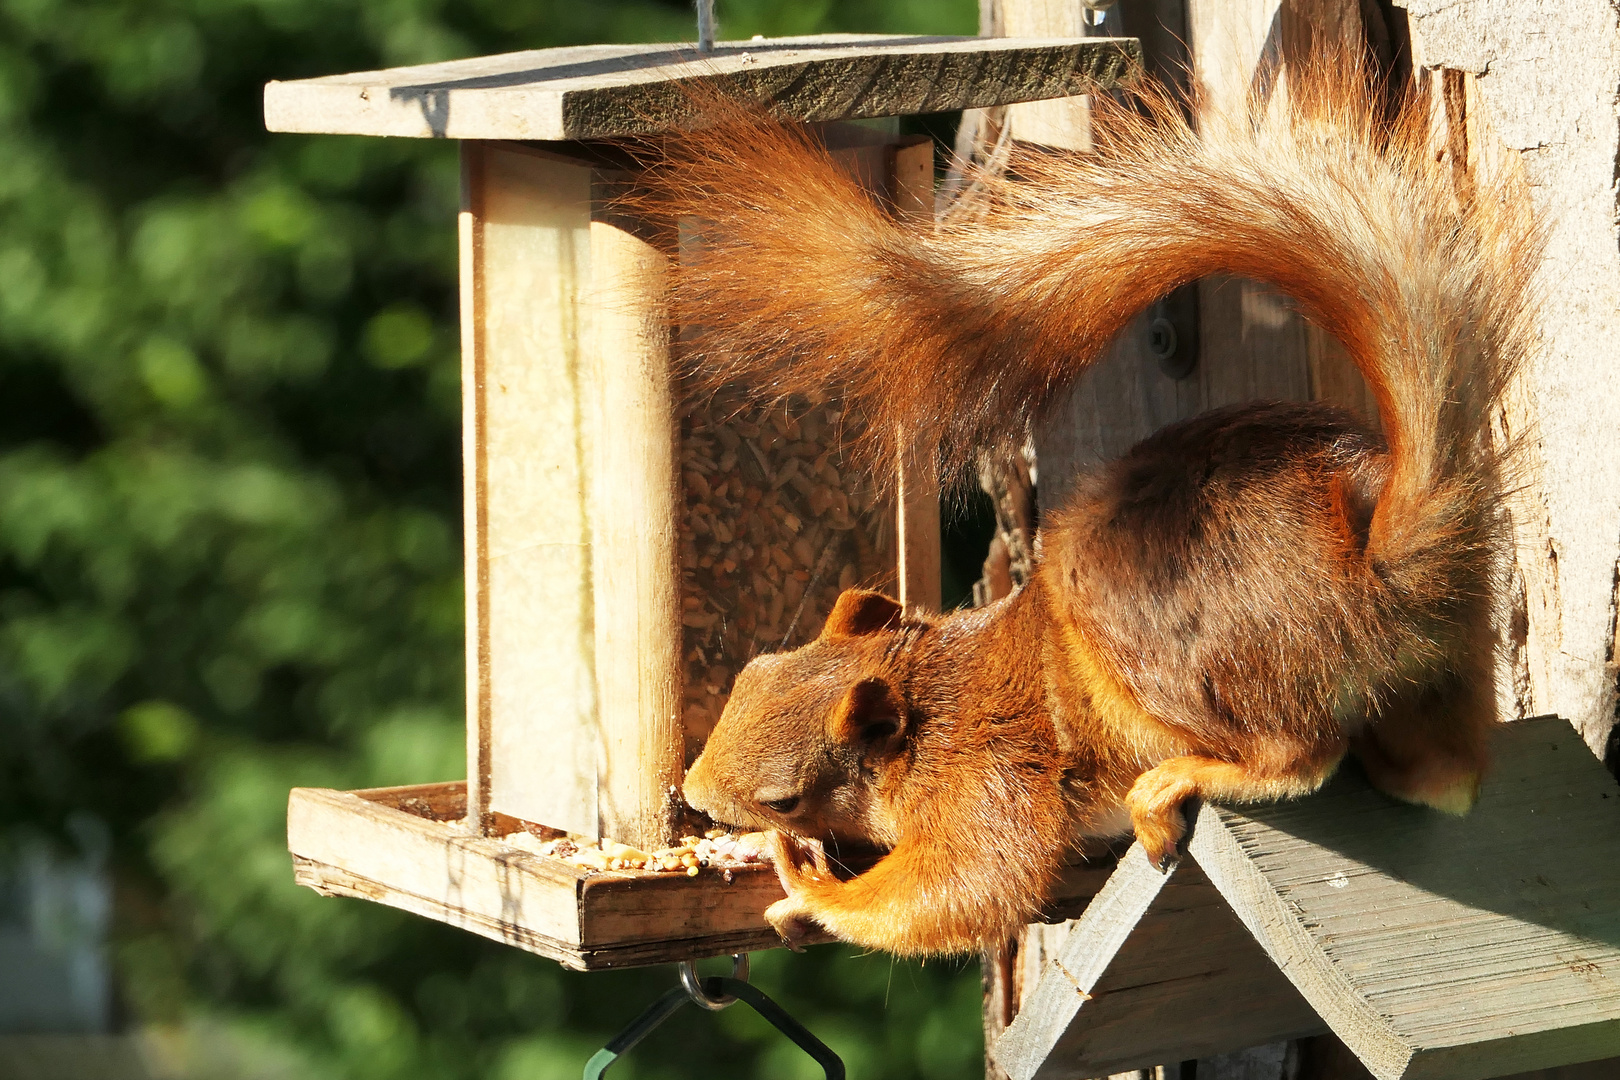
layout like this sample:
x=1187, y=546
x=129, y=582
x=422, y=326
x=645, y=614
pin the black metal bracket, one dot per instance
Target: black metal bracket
x=716, y=988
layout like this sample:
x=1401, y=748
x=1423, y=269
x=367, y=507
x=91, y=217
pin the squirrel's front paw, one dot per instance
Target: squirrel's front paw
x=793, y=921
x=797, y=860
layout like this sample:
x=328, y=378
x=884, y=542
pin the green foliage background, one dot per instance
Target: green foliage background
x=229, y=538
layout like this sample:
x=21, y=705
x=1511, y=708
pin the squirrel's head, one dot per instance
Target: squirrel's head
x=808, y=737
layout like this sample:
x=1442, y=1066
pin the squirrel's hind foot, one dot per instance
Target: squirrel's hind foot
x=1156, y=804
x=1158, y=798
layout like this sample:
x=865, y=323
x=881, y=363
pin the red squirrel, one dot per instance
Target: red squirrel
x=1223, y=613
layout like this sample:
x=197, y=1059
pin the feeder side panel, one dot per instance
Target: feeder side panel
x=532, y=263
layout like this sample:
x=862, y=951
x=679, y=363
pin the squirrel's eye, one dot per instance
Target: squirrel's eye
x=782, y=806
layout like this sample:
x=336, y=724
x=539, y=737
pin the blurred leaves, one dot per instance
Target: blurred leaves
x=229, y=538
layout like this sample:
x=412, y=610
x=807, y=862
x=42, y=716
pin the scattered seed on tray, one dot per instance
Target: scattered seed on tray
x=717, y=849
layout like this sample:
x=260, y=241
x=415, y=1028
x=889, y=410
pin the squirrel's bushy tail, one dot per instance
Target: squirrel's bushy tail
x=967, y=330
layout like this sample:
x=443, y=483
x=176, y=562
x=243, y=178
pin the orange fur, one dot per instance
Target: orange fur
x=1222, y=613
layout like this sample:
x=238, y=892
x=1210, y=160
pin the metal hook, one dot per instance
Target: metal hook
x=1095, y=12
x=694, y=983
x=832, y=1066
x=705, y=20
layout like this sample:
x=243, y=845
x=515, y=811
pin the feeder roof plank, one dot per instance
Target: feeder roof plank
x=1438, y=947
x=617, y=91
x=1435, y=947
x=1157, y=968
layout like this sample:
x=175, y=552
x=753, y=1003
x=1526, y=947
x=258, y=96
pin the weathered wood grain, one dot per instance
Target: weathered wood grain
x=1555, y=122
x=1440, y=947
x=527, y=381
x=1063, y=123
x=1157, y=969
x=612, y=91
x=1437, y=948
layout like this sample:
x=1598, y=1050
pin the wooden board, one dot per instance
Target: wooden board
x=410, y=848
x=529, y=424
x=1440, y=947
x=917, y=502
x=1157, y=969
x=634, y=567
x=611, y=91
x=1547, y=123
x=382, y=846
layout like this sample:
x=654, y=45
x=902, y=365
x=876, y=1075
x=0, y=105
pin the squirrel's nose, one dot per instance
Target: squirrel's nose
x=697, y=788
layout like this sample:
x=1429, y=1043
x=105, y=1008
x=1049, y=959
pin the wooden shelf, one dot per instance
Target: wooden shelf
x=409, y=847
x=613, y=91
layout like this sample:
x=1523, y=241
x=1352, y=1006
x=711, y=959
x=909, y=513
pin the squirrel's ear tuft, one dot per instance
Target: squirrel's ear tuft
x=871, y=715
x=860, y=611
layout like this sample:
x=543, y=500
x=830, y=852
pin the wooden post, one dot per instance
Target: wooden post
x=1536, y=91
x=634, y=574
x=573, y=638
x=917, y=502
x=531, y=609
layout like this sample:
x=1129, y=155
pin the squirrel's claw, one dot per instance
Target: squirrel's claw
x=1167, y=860
x=792, y=922
x=1157, y=802
x=1159, y=837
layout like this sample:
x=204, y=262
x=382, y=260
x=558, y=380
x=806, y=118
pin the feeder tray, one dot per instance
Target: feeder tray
x=584, y=703
x=410, y=848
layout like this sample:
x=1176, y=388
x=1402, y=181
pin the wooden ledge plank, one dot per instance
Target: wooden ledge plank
x=1439, y=947
x=408, y=847
x=1156, y=969
x=335, y=881
x=436, y=861
x=614, y=91
x=360, y=845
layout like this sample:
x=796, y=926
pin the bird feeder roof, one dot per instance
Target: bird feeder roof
x=615, y=91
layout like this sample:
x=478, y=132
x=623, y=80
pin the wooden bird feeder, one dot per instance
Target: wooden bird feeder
x=626, y=554
x=609, y=601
